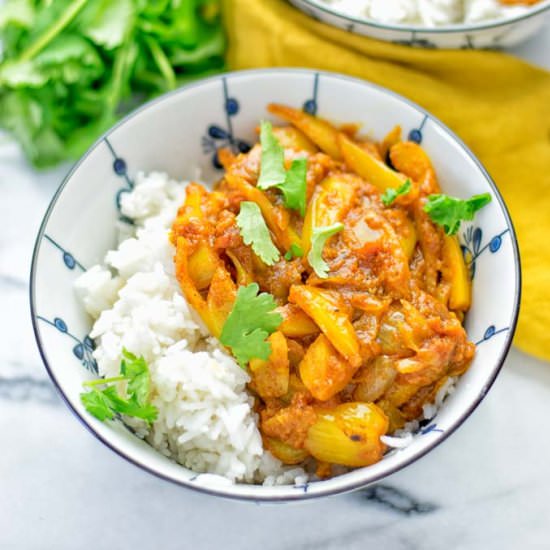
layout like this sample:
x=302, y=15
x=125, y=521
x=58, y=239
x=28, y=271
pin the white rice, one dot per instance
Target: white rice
x=430, y=13
x=205, y=421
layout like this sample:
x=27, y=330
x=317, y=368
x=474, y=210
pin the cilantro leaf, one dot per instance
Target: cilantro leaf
x=292, y=182
x=450, y=211
x=137, y=371
x=294, y=186
x=250, y=322
x=78, y=65
x=105, y=403
x=97, y=404
x=272, y=167
x=255, y=232
x=319, y=237
x=294, y=252
x=390, y=194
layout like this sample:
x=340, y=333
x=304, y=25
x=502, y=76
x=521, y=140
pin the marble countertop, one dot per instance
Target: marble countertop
x=485, y=488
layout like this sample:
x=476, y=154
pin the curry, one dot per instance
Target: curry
x=370, y=292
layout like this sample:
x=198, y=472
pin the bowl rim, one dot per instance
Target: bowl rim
x=443, y=29
x=225, y=491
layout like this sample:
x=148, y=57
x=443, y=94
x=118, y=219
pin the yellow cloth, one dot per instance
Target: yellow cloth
x=499, y=105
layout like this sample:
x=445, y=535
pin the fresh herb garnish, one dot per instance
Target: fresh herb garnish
x=450, y=211
x=70, y=68
x=272, y=166
x=295, y=251
x=291, y=182
x=105, y=403
x=250, y=322
x=255, y=232
x=390, y=194
x=319, y=237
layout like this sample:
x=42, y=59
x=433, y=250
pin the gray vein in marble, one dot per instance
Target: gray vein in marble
x=26, y=388
x=396, y=500
x=12, y=281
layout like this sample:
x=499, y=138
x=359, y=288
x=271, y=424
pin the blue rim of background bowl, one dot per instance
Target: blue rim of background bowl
x=446, y=29
x=346, y=487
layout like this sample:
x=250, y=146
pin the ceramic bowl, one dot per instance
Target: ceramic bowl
x=183, y=131
x=500, y=33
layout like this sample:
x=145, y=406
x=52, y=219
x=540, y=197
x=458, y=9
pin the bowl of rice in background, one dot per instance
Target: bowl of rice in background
x=465, y=24
x=103, y=279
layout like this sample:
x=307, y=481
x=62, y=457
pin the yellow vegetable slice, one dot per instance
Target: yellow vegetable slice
x=455, y=272
x=348, y=434
x=284, y=452
x=292, y=138
x=368, y=167
x=271, y=377
x=324, y=371
x=393, y=137
x=192, y=295
x=332, y=320
x=202, y=265
x=331, y=202
x=296, y=324
x=321, y=132
x=408, y=237
x=221, y=296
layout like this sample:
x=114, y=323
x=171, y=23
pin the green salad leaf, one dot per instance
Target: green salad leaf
x=71, y=68
x=250, y=322
x=105, y=403
x=319, y=237
x=449, y=212
x=255, y=232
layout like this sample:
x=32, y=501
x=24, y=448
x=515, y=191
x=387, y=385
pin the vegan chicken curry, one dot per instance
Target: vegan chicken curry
x=329, y=266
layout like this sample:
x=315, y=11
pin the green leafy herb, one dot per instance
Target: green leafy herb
x=250, y=322
x=70, y=68
x=391, y=194
x=294, y=252
x=272, y=167
x=105, y=403
x=319, y=237
x=450, y=211
x=255, y=232
x=294, y=186
x=291, y=182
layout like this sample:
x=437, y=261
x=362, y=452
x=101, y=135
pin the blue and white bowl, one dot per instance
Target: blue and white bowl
x=182, y=131
x=499, y=33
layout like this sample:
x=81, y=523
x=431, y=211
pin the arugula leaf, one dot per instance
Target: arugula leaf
x=450, y=211
x=319, y=237
x=294, y=252
x=390, y=194
x=250, y=322
x=291, y=182
x=272, y=166
x=255, y=232
x=103, y=404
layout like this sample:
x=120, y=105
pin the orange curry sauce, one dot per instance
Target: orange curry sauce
x=361, y=351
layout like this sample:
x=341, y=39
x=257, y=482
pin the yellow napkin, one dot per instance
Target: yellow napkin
x=499, y=105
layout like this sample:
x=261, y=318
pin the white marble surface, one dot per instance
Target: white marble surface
x=487, y=487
